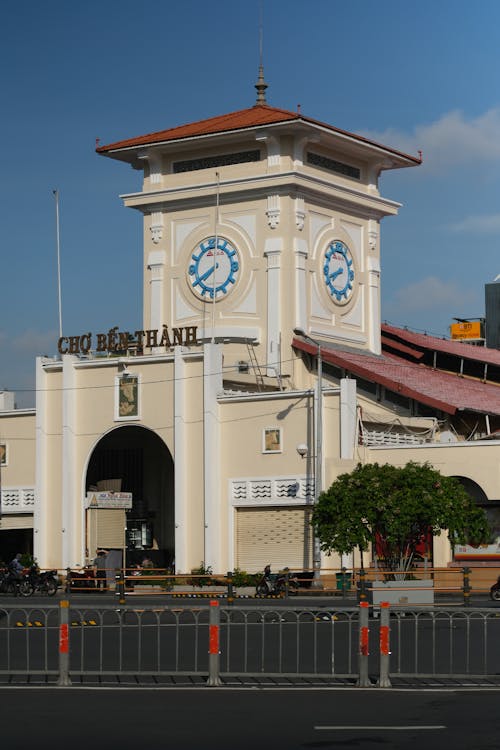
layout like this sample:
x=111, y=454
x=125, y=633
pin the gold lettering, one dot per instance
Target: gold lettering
x=124, y=341
x=102, y=342
x=63, y=340
x=85, y=342
x=151, y=338
x=191, y=334
x=112, y=339
x=165, y=338
x=74, y=344
x=177, y=334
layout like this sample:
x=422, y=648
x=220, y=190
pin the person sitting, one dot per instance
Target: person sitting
x=15, y=566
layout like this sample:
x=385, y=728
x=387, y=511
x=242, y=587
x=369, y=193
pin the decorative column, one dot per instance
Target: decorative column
x=272, y=251
x=181, y=462
x=300, y=284
x=156, y=264
x=41, y=510
x=212, y=386
x=71, y=500
x=373, y=274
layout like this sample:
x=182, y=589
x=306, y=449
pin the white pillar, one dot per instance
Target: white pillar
x=181, y=462
x=156, y=264
x=373, y=272
x=272, y=252
x=348, y=416
x=41, y=510
x=300, y=285
x=71, y=501
x=212, y=385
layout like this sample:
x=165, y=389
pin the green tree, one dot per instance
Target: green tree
x=395, y=508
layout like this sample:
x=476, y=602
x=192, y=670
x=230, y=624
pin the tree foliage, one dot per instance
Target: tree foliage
x=395, y=508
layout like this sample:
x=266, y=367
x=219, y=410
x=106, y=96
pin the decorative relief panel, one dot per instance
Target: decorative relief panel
x=273, y=211
x=300, y=213
x=18, y=500
x=272, y=491
x=156, y=227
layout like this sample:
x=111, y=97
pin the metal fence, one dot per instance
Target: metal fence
x=215, y=643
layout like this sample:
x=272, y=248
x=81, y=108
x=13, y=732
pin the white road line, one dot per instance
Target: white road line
x=379, y=728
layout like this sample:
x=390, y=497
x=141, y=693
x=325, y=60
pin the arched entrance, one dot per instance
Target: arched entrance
x=142, y=463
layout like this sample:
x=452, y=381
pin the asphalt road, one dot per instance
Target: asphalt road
x=214, y=719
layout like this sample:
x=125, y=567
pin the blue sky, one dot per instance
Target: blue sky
x=413, y=75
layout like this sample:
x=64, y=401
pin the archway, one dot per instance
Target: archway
x=143, y=465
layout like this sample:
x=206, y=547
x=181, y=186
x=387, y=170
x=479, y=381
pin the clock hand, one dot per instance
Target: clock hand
x=336, y=273
x=207, y=273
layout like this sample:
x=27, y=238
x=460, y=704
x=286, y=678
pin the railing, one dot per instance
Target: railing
x=215, y=644
x=451, y=584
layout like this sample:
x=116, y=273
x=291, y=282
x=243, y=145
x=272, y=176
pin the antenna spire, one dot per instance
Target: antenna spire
x=261, y=85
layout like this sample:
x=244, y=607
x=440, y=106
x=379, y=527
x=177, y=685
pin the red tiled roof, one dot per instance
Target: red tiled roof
x=437, y=389
x=260, y=114
x=433, y=343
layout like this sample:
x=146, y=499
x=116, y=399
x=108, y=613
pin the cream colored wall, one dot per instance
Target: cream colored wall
x=479, y=461
x=17, y=431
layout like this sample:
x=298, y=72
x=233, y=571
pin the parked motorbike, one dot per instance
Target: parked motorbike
x=43, y=582
x=495, y=591
x=8, y=583
x=277, y=584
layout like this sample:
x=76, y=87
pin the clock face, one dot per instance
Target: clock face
x=212, y=271
x=338, y=272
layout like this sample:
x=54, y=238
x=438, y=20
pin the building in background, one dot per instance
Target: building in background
x=492, y=304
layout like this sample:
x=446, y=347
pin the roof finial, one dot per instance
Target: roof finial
x=261, y=85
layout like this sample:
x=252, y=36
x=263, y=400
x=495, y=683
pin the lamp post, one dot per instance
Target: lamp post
x=318, y=453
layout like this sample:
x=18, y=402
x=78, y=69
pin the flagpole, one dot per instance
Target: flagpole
x=56, y=196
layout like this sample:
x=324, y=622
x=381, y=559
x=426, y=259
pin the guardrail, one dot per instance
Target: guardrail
x=446, y=584
x=213, y=644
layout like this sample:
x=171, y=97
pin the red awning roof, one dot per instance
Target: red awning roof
x=258, y=115
x=439, y=390
x=433, y=343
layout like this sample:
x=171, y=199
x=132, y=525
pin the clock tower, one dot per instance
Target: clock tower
x=257, y=222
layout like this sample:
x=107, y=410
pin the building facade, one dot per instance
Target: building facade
x=195, y=436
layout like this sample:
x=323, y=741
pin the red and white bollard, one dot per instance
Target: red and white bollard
x=384, y=680
x=214, y=644
x=364, y=634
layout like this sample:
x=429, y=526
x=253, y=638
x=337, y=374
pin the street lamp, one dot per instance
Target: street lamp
x=318, y=442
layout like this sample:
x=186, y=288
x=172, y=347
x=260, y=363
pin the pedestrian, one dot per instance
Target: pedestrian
x=15, y=566
x=100, y=569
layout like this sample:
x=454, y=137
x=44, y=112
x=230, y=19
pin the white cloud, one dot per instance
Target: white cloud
x=451, y=140
x=483, y=224
x=429, y=294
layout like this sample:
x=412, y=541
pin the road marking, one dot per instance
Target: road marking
x=371, y=728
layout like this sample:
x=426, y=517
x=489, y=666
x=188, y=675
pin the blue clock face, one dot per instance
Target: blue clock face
x=338, y=272
x=213, y=271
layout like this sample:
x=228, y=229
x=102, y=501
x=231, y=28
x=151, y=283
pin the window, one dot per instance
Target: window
x=272, y=440
x=3, y=454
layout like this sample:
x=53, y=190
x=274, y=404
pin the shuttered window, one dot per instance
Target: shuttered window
x=279, y=537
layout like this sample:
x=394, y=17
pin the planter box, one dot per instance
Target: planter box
x=403, y=592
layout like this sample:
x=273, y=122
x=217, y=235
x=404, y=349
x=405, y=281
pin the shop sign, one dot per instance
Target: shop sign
x=108, y=500
x=466, y=330
x=116, y=341
x=482, y=552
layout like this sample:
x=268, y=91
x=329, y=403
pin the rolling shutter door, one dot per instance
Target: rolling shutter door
x=107, y=528
x=16, y=522
x=278, y=536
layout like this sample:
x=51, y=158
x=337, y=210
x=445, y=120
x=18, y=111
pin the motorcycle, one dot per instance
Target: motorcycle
x=42, y=582
x=277, y=584
x=495, y=591
x=8, y=583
